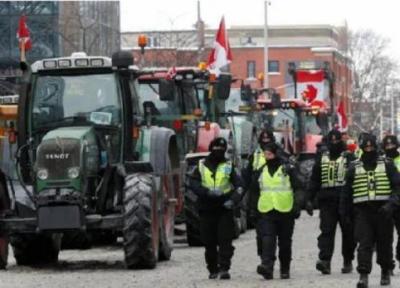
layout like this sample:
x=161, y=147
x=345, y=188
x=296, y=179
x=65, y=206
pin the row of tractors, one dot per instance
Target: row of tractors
x=96, y=149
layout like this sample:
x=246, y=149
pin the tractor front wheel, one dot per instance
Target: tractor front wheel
x=141, y=223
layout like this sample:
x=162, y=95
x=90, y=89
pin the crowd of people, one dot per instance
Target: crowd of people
x=355, y=187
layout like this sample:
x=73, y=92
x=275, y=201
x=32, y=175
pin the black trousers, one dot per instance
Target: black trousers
x=273, y=227
x=329, y=218
x=217, y=230
x=396, y=219
x=373, y=230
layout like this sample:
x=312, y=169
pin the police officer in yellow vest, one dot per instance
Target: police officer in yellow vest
x=219, y=189
x=371, y=196
x=327, y=183
x=390, y=146
x=272, y=197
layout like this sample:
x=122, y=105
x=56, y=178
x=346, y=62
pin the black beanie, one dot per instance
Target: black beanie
x=272, y=147
x=390, y=139
x=368, y=139
x=219, y=141
x=334, y=134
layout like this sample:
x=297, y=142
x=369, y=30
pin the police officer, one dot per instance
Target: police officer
x=219, y=189
x=371, y=195
x=272, y=197
x=390, y=146
x=327, y=182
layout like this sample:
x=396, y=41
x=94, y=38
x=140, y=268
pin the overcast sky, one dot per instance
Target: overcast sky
x=382, y=16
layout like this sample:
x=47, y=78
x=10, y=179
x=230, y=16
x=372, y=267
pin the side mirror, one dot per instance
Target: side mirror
x=167, y=90
x=224, y=86
x=245, y=93
x=276, y=100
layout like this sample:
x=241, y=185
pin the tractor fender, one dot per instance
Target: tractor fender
x=164, y=156
x=205, y=136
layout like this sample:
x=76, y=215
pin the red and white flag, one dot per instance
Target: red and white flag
x=221, y=54
x=311, y=87
x=23, y=34
x=342, y=117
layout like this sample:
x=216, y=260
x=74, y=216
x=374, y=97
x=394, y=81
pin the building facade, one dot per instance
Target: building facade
x=57, y=28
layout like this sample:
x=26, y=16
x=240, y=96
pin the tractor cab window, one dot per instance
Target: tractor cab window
x=149, y=96
x=92, y=98
x=79, y=100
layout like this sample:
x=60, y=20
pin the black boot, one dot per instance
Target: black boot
x=285, y=271
x=224, y=275
x=266, y=271
x=347, y=267
x=363, y=282
x=385, y=277
x=323, y=266
x=213, y=276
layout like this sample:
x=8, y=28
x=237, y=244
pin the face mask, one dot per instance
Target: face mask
x=336, y=148
x=370, y=156
x=217, y=155
x=391, y=153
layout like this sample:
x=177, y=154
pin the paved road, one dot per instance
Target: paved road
x=103, y=268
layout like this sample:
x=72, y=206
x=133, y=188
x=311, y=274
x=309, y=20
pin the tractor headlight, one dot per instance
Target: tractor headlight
x=73, y=172
x=42, y=174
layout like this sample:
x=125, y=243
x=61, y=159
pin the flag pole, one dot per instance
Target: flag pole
x=266, y=76
x=22, y=44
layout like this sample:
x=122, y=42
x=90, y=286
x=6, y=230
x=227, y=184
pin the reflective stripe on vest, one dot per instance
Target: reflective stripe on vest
x=332, y=171
x=258, y=159
x=275, y=192
x=221, y=179
x=371, y=185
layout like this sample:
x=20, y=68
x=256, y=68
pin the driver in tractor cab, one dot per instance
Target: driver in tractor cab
x=219, y=190
x=327, y=184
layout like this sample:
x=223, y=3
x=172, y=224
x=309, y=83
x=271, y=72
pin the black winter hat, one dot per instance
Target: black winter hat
x=220, y=142
x=390, y=139
x=368, y=139
x=334, y=134
x=272, y=147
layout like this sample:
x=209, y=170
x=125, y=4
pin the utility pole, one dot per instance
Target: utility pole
x=200, y=33
x=266, y=76
x=391, y=110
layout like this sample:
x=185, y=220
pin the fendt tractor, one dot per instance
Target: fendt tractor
x=87, y=161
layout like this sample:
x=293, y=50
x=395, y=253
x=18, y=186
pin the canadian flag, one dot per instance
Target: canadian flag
x=311, y=87
x=221, y=54
x=23, y=34
x=342, y=117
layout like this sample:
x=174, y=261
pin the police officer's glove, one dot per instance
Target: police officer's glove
x=215, y=192
x=387, y=210
x=229, y=204
x=309, y=208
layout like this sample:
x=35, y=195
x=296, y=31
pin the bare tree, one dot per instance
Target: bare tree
x=373, y=71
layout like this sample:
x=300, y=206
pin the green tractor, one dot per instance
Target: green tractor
x=87, y=161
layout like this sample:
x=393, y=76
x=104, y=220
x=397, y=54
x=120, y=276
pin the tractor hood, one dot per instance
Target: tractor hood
x=67, y=147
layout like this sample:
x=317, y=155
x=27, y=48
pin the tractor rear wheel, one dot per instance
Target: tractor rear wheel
x=141, y=222
x=4, y=206
x=33, y=249
x=192, y=219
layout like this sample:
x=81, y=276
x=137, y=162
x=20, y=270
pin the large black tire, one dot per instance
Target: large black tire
x=4, y=206
x=141, y=223
x=192, y=219
x=36, y=249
